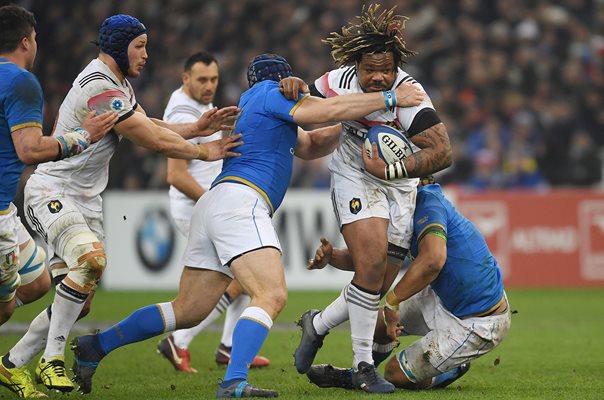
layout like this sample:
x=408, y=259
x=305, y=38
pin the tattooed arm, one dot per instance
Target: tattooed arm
x=435, y=155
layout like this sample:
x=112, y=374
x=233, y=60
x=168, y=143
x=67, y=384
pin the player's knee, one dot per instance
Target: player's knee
x=277, y=300
x=89, y=266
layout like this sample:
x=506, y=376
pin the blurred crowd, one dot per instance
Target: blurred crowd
x=518, y=83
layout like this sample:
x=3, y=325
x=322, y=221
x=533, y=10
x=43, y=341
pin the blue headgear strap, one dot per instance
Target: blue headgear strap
x=115, y=35
x=268, y=66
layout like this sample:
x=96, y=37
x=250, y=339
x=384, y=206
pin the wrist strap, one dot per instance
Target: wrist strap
x=389, y=98
x=391, y=302
x=395, y=171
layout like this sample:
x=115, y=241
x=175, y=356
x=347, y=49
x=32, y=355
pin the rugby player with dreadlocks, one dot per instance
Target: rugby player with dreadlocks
x=374, y=211
x=232, y=235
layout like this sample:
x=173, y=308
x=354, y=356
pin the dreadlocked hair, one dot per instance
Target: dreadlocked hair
x=378, y=31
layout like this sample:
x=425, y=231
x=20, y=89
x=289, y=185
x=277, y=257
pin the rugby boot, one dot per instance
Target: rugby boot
x=310, y=342
x=18, y=381
x=179, y=358
x=368, y=379
x=223, y=356
x=326, y=376
x=51, y=373
x=239, y=389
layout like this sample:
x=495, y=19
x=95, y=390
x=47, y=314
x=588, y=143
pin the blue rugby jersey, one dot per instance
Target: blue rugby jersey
x=270, y=136
x=470, y=282
x=21, y=102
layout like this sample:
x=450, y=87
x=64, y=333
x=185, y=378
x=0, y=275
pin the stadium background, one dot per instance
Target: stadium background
x=519, y=85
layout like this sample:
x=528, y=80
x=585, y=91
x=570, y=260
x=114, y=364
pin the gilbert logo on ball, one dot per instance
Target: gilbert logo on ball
x=392, y=144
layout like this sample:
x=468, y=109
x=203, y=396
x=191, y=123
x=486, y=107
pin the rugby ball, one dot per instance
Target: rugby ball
x=392, y=144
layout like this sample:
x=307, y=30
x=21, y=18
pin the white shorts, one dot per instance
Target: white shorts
x=15, y=270
x=354, y=197
x=55, y=217
x=230, y=220
x=447, y=341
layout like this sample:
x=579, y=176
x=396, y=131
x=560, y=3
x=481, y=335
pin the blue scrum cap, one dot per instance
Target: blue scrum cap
x=268, y=66
x=115, y=35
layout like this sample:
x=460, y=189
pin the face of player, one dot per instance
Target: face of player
x=137, y=56
x=31, y=50
x=376, y=72
x=201, y=81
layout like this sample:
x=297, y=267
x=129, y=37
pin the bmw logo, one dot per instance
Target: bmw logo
x=117, y=105
x=155, y=239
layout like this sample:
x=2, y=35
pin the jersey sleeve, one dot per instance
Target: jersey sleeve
x=321, y=85
x=103, y=98
x=430, y=215
x=23, y=107
x=407, y=115
x=282, y=108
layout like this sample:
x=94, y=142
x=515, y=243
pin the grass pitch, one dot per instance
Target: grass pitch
x=554, y=351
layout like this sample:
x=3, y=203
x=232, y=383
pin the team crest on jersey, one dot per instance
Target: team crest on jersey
x=355, y=205
x=55, y=206
x=117, y=105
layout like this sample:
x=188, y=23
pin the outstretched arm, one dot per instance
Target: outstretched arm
x=143, y=132
x=211, y=121
x=315, y=110
x=318, y=142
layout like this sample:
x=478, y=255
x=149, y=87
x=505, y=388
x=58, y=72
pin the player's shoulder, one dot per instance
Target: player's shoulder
x=96, y=75
x=402, y=77
x=342, y=78
x=19, y=78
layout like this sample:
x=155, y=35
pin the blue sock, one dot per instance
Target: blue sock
x=450, y=375
x=248, y=338
x=142, y=324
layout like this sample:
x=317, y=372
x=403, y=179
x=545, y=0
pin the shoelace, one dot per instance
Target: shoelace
x=371, y=374
x=58, y=367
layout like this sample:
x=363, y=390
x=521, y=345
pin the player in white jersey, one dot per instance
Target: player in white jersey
x=189, y=180
x=62, y=198
x=375, y=215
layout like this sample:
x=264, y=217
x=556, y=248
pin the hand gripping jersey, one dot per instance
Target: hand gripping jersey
x=470, y=282
x=348, y=153
x=269, y=136
x=183, y=109
x=85, y=175
x=21, y=103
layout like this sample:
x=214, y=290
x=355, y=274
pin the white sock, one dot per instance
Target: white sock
x=66, y=308
x=333, y=315
x=233, y=313
x=184, y=337
x=363, y=311
x=32, y=342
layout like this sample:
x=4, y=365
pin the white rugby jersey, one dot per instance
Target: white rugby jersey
x=85, y=175
x=183, y=109
x=348, y=153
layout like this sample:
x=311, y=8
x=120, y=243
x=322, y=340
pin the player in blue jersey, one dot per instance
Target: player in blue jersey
x=452, y=296
x=231, y=230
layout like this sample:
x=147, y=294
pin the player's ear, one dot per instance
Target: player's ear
x=185, y=76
